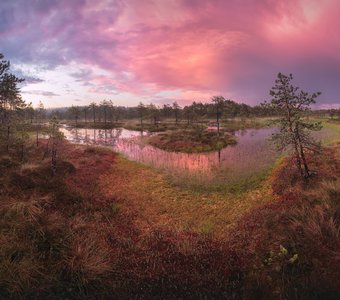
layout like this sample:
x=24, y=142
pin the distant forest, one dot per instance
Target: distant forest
x=106, y=111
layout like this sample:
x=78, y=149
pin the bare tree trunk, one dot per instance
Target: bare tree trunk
x=302, y=154
x=298, y=161
x=54, y=159
x=301, y=151
x=304, y=161
x=46, y=149
x=297, y=154
x=218, y=121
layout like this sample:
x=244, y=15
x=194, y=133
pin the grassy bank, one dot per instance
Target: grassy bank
x=105, y=227
x=334, y=127
x=294, y=241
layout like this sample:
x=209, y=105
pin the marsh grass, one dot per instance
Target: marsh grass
x=105, y=227
x=295, y=239
x=43, y=251
x=161, y=202
x=226, y=182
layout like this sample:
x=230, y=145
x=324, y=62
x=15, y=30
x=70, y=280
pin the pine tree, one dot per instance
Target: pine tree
x=141, y=110
x=176, y=109
x=294, y=129
x=219, y=104
x=55, y=137
x=93, y=107
x=11, y=102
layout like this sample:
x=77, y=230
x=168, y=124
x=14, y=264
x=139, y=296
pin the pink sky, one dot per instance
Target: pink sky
x=76, y=52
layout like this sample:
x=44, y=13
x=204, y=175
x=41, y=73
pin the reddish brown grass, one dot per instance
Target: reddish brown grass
x=66, y=237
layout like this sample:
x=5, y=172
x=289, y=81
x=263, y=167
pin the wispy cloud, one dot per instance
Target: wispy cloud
x=41, y=93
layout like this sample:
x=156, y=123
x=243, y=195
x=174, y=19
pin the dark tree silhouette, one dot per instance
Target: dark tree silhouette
x=219, y=103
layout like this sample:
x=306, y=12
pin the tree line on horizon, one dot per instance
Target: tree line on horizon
x=219, y=107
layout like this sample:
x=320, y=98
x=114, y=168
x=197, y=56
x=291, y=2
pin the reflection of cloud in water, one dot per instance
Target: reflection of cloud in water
x=160, y=158
x=251, y=151
x=251, y=154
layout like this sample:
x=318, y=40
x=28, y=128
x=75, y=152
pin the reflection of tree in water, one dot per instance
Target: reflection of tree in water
x=110, y=136
x=241, y=132
x=75, y=135
x=94, y=136
x=87, y=138
x=115, y=134
x=100, y=136
x=141, y=142
x=251, y=153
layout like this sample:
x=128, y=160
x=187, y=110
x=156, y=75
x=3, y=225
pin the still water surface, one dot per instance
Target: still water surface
x=252, y=153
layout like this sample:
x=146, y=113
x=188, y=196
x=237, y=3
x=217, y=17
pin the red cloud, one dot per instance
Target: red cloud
x=188, y=45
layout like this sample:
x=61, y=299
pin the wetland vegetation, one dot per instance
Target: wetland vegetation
x=90, y=212
x=196, y=140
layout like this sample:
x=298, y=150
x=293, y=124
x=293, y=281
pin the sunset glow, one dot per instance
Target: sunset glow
x=79, y=51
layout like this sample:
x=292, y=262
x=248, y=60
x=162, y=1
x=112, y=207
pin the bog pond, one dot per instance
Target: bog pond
x=252, y=153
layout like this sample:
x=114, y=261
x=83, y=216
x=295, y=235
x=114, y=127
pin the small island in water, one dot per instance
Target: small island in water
x=192, y=141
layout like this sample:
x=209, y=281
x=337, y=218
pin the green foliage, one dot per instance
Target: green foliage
x=12, y=131
x=294, y=130
x=74, y=112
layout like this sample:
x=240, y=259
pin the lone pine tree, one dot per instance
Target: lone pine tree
x=294, y=129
